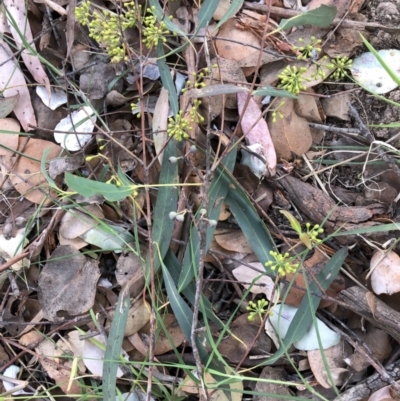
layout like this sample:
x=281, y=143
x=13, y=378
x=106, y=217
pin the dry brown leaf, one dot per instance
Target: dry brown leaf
x=256, y=132
x=12, y=83
x=272, y=375
x=7, y=105
x=243, y=49
x=385, y=276
x=129, y=266
x=336, y=106
x=28, y=176
x=191, y=387
x=67, y=283
x=160, y=122
x=383, y=394
x=80, y=56
x=290, y=135
x=61, y=377
x=344, y=42
x=138, y=317
x=378, y=342
x=163, y=343
x=263, y=284
x=228, y=71
x=8, y=141
x=75, y=223
x=243, y=340
x=245, y=43
x=16, y=9
x=335, y=359
x=223, y=7
x=232, y=240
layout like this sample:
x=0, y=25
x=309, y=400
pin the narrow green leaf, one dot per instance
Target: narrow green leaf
x=271, y=91
x=182, y=312
x=390, y=125
x=86, y=187
x=113, y=348
x=251, y=224
x=218, y=190
x=392, y=74
x=304, y=318
x=232, y=10
x=167, y=199
x=322, y=16
x=166, y=79
x=206, y=12
x=123, y=178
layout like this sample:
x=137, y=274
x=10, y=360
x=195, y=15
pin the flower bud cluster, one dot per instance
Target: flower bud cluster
x=340, y=65
x=153, y=30
x=292, y=78
x=107, y=27
x=283, y=264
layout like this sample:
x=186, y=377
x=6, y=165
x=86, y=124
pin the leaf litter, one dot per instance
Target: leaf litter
x=91, y=176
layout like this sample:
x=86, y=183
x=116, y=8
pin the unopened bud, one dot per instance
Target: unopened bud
x=172, y=215
x=193, y=149
x=180, y=218
x=173, y=159
x=212, y=223
x=203, y=211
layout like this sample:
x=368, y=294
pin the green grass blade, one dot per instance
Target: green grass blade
x=392, y=74
x=218, y=190
x=304, y=318
x=322, y=16
x=182, y=312
x=113, y=348
x=390, y=125
x=368, y=230
x=167, y=200
x=249, y=221
x=166, y=79
x=233, y=8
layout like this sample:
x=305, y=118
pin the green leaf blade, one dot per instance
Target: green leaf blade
x=167, y=200
x=251, y=224
x=322, y=16
x=206, y=12
x=86, y=187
